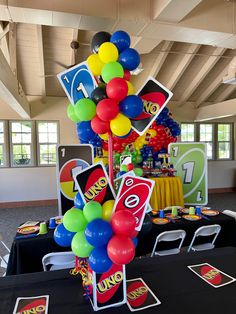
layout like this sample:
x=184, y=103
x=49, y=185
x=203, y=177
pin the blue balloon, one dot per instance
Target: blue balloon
x=129, y=59
x=78, y=201
x=135, y=241
x=121, y=39
x=98, y=232
x=84, y=131
x=62, y=236
x=131, y=106
x=99, y=260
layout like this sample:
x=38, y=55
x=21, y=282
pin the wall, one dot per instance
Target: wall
x=36, y=183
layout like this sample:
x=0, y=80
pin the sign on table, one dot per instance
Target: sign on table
x=190, y=161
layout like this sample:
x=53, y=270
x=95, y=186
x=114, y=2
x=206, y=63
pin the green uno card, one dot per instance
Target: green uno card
x=190, y=161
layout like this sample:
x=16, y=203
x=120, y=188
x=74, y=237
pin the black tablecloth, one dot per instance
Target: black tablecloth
x=227, y=236
x=179, y=290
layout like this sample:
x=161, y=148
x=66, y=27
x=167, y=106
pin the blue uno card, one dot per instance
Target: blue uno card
x=78, y=82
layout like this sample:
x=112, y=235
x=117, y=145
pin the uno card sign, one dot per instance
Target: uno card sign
x=190, y=161
x=32, y=305
x=155, y=97
x=71, y=159
x=109, y=288
x=134, y=194
x=78, y=82
x=94, y=185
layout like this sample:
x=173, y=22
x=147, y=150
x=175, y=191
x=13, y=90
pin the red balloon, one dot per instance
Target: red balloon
x=130, y=167
x=127, y=75
x=99, y=126
x=117, y=89
x=123, y=222
x=121, y=249
x=107, y=109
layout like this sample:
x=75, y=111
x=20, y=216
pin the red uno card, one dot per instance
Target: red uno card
x=32, y=305
x=213, y=276
x=134, y=194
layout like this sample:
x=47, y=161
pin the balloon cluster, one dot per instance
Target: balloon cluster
x=92, y=231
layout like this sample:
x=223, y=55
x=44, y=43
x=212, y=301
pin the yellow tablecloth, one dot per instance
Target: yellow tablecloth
x=167, y=191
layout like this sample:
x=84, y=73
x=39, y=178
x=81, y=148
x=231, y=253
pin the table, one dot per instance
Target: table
x=179, y=290
x=226, y=237
x=167, y=191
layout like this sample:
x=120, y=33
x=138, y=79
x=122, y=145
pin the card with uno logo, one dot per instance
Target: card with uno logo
x=94, y=185
x=139, y=295
x=213, y=276
x=37, y=304
x=78, y=82
x=155, y=97
x=134, y=194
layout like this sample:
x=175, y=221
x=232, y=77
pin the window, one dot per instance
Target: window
x=47, y=142
x=217, y=136
x=2, y=144
x=21, y=143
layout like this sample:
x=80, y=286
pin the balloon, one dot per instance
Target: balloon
x=111, y=70
x=98, y=94
x=131, y=106
x=62, y=236
x=98, y=39
x=104, y=136
x=71, y=113
x=130, y=167
x=127, y=75
x=124, y=168
x=139, y=159
x=95, y=64
x=123, y=222
x=74, y=220
x=107, y=109
x=121, y=249
x=121, y=125
x=98, y=232
x=117, y=88
x=107, y=209
x=135, y=241
x=129, y=59
x=99, y=126
x=138, y=172
x=130, y=88
x=121, y=39
x=108, y=52
x=85, y=109
x=146, y=226
x=80, y=245
x=99, y=260
x=85, y=131
x=78, y=201
x=92, y=210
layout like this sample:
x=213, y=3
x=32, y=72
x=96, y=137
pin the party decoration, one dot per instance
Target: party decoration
x=129, y=59
x=108, y=52
x=85, y=109
x=131, y=106
x=99, y=260
x=98, y=39
x=120, y=125
x=107, y=109
x=62, y=236
x=99, y=93
x=112, y=70
x=100, y=126
x=121, y=39
x=80, y=245
x=117, y=89
x=95, y=64
x=98, y=232
x=74, y=220
x=107, y=209
x=71, y=114
x=123, y=222
x=92, y=210
x=78, y=201
x=121, y=249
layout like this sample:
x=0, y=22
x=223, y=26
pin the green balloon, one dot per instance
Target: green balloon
x=133, y=159
x=124, y=168
x=85, y=109
x=92, y=210
x=111, y=70
x=71, y=113
x=74, y=220
x=138, y=172
x=139, y=159
x=80, y=245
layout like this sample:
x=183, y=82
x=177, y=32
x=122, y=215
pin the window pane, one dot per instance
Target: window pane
x=52, y=127
x=52, y=138
x=42, y=127
x=209, y=151
x=16, y=138
x=21, y=155
x=1, y=138
x=43, y=137
x=224, y=132
x=48, y=154
x=16, y=126
x=187, y=132
x=224, y=150
x=1, y=155
x=206, y=132
x=1, y=127
x=47, y=137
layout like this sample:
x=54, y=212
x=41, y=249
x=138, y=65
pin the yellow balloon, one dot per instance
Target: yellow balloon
x=104, y=136
x=95, y=64
x=152, y=132
x=130, y=88
x=107, y=209
x=121, y=125
x=108, y=52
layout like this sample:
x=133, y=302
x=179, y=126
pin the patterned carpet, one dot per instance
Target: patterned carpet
x=10, y=219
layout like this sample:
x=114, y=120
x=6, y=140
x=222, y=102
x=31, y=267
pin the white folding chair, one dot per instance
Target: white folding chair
x=205, y=231
x=169, y=236
x=4, y=259
x=59, y=260
x=230, y=213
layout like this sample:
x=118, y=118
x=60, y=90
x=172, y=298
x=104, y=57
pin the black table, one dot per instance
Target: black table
x=226, y=237
x=179, y=290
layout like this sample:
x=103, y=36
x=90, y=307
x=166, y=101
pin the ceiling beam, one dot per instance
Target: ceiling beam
x=11, y=91
x=41, y=60
x=183, y=64
x=12, y=48
x=160, y=59
x=4, y=31
x=205, y=69
x=4, y=44
x=229, y=88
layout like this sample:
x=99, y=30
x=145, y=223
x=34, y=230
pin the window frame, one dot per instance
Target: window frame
x=5, y=145
x=195, y=132
x=231, y=142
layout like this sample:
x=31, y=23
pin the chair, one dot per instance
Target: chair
x=4, y=259
x=205, y=231
x=169, y=236
x=230, y=213
x=59, y=260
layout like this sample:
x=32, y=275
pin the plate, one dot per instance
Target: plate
x=192, y=217
x=169, y=215
x=184, y=210
x=209, y=212
x=28, y=229
x=170, y=208
x=154, y=212
x=160, y=221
